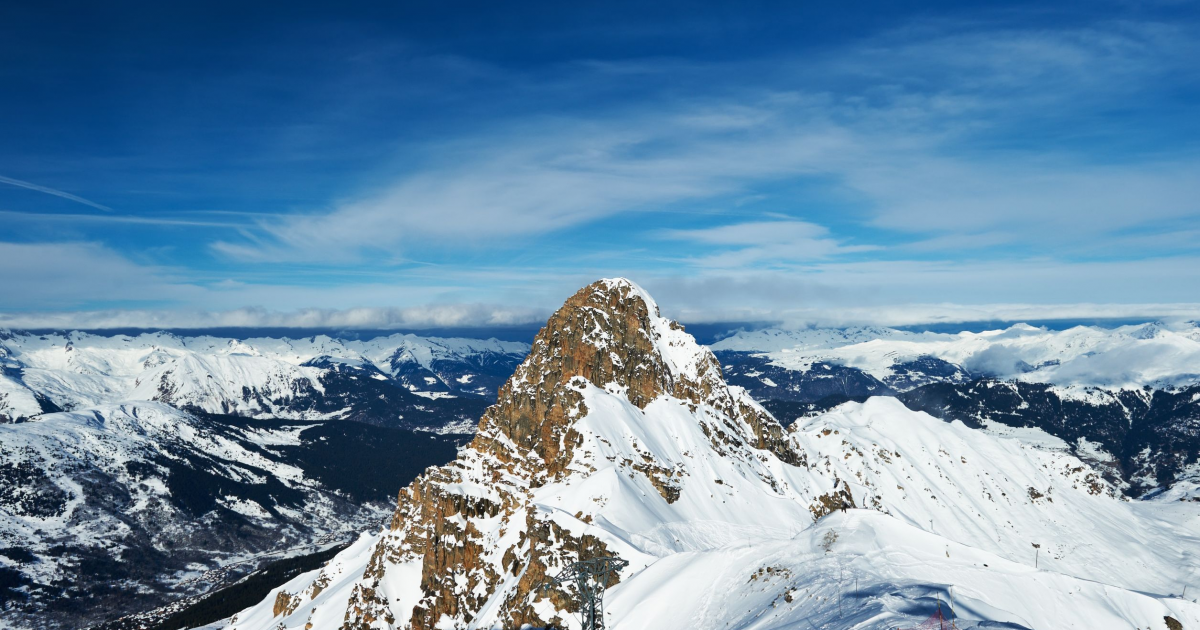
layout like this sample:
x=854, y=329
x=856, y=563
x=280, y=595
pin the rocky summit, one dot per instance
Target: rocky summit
x=619, y=436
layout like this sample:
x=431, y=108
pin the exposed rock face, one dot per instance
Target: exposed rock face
x=609, y=334
x=840, y=498
x=606, y=334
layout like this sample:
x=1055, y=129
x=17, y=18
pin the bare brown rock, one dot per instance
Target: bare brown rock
x=839, y=498
x=285, y=604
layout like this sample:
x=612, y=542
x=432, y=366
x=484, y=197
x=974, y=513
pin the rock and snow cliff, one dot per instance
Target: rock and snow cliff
x=618, y=435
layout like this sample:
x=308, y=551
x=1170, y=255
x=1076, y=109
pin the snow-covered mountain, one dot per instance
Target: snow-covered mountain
x=1127, y=357
x=422, y=382
x=1126, y=397
x=618, y=435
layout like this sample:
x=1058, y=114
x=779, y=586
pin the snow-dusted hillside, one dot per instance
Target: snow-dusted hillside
x=618, y=435
x=314, y=378
x=126, y=506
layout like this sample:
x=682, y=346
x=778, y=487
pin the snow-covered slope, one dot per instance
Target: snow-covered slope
x=311, y=378
x=1126, y=397
x=618, y=435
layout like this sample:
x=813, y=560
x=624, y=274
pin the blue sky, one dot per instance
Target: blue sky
x=435, y=164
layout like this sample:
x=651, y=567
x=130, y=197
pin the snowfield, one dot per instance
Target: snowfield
x=882, y=513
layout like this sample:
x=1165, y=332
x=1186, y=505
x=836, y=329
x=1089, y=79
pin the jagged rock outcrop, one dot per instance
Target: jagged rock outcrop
x=611, y=334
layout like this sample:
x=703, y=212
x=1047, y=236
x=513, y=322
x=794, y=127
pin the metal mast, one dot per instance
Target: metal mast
x=588, y=578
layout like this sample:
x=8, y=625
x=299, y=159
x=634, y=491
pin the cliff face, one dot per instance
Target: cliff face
x=472, y=525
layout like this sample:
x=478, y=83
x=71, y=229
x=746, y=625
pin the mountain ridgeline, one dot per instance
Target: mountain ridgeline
x=142, y=471
x=400, y=381
x=1145, y=438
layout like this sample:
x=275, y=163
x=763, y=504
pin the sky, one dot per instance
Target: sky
x=404, y=165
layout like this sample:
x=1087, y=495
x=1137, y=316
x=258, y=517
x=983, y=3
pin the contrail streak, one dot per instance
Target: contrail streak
x=50, y=191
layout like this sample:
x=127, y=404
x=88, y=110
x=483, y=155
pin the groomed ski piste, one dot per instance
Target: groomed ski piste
x=884, y=515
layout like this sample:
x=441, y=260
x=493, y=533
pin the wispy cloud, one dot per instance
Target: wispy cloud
x=431, y=316
x=764, y=242
x=915, y=127
x=116, y=219
x=69, y=274
x=53, y=191
x=537, y=178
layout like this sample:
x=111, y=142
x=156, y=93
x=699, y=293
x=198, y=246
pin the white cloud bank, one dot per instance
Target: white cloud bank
x=433, y=316
x=83, y=280
x=490, y=315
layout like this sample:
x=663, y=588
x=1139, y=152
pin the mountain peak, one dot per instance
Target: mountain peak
x=609, y=333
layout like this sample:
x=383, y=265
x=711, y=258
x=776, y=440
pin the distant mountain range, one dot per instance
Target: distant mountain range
x=400, y=381
x=1126, y=357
